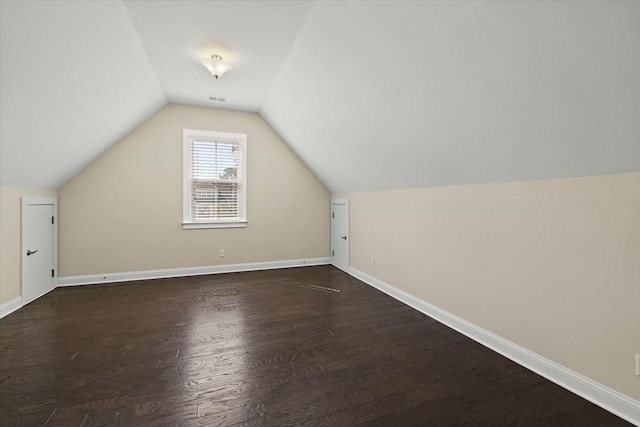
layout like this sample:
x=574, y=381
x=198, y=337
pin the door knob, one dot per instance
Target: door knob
x=343, y=237
x=32, y=252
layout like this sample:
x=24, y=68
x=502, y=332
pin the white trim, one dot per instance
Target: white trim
x=39, y=200
x=24, y=202
x=188, y=271
x=221, y=224
x=611, y=400
x=240, y=138
x=10, y=306
x=39, y=295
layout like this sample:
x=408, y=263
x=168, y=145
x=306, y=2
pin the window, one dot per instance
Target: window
x=215, y=179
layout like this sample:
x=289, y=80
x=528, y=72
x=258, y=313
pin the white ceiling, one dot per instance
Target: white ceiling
x=371, y=95
x=417, y=94
x=255, y=36
x=74, y=79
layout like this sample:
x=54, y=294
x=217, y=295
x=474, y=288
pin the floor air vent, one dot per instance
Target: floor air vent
x=307, y=286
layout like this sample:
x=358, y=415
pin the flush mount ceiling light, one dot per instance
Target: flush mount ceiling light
x=216, y=65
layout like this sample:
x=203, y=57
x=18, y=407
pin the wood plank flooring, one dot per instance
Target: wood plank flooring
x=293, y=347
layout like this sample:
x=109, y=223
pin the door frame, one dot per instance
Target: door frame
x=25, y=202
x=346, y=203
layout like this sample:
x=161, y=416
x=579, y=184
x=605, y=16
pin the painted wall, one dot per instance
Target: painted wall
x=553, y=265
x=124, y=211
x=10, y=240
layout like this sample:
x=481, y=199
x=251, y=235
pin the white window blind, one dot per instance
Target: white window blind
x=215, y=178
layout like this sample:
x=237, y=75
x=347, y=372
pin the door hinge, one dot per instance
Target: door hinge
x=333, y=253
x=333, y=215
x=53, y=273
x=52, y=220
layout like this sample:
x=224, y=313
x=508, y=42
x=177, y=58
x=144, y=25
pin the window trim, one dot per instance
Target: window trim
x=187, y=223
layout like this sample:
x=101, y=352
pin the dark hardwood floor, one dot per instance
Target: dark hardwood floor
x=303, y=346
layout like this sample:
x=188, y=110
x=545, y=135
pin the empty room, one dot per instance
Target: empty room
x=319, y=213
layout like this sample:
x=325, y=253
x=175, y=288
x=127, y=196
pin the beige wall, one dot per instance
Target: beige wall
x=10, y=241
x=124, y=212
x=553, y=265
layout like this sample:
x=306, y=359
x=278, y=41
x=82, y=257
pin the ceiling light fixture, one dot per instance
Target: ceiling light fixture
x=216, y=65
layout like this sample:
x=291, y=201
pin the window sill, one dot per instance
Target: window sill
x=230, y=224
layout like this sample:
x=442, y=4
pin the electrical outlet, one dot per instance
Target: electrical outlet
x=638, y=365
x=221, y=253
x=373, y=263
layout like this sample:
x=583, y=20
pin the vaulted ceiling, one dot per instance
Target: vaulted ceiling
x=74, y=80
x=370, y=95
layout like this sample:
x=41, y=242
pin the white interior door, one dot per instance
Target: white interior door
x=340, y=233
x=38, y=247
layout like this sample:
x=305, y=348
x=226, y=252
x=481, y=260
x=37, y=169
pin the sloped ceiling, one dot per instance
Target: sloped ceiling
x=387, y=95
x=74, y=79
x=255, y=36
x=371, y=95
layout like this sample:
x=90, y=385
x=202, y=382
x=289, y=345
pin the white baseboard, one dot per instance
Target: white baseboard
x=10, y=306
x=188, y=271
x=611, y=400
